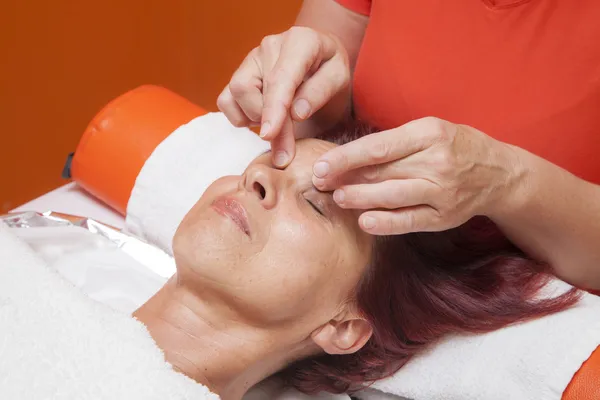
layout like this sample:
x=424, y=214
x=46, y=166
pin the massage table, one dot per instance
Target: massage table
x=113, y=150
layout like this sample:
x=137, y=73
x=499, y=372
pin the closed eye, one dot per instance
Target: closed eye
x=315, y=207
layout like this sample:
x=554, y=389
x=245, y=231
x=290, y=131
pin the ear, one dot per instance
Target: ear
x=346, y=336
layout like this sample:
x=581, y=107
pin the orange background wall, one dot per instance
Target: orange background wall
x=61, y=61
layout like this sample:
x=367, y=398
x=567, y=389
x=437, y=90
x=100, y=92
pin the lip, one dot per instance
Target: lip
x=234, y=210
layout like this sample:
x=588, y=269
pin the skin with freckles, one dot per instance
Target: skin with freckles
x=293, y=252
x=266, y=269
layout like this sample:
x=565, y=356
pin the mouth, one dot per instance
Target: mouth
x=233, y=209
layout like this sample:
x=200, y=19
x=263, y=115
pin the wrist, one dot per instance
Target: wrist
x=516, y=188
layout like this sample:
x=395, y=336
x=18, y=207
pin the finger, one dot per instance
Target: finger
x=373, y=149
x=369, y=174
x=332, y=77
x=333, y=183
x=390, y=194
x=421, y=165
x=228, y=106
x=246, y=86
x=401, y=221
x=301, y=49
x=283, y=146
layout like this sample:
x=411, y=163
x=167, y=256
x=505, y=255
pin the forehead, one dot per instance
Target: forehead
x=307, y=152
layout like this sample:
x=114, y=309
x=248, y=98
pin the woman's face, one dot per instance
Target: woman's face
x=271, y=247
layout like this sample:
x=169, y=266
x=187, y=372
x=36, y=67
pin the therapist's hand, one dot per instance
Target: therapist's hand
x=427, y=175
x=288, y=78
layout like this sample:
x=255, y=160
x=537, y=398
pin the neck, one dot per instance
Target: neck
x=209, y=346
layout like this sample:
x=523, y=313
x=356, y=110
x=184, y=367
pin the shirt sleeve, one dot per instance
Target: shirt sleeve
x=359, y=6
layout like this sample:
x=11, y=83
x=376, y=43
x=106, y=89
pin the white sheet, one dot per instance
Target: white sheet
x=57, y=344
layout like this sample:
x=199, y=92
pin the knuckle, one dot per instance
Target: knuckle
x=448, y=132
x=378, y=151
x=270, y=42
x=390, y=224
x=294, y=30
x=437, y=128
x=254, y=53
x=302, y=31
x=371, y=174
x=434, y=123
x=445, y=132
x=343, y=161
x=238, y=87
x=310, y=38
x=410, y=221
x=430, y=120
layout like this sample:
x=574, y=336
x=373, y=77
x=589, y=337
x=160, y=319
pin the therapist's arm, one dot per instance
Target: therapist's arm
x=555, y=217
x=349, y=28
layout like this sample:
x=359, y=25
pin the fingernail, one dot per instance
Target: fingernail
x=302, y=108
x=338, y=196
x=369, y=222
x=321, y=169
x=281, y=159
x=264, y=129
x=318, y=182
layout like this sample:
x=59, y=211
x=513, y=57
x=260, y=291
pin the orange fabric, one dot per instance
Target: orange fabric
x=360, y=6
x=122, y=136
x=526, y=72
x=585, y=385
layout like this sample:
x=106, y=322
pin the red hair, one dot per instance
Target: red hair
x=421, y=287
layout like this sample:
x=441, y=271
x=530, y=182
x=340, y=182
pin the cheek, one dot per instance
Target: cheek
x=301, y=243
x=298, y=261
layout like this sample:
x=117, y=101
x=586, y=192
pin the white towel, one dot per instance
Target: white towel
x=533, y=360
x=58, y=344
x=181, y=168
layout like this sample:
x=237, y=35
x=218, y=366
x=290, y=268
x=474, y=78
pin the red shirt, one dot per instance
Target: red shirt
x=526, y=72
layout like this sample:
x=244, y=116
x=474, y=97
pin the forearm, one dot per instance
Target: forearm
x=555, y=217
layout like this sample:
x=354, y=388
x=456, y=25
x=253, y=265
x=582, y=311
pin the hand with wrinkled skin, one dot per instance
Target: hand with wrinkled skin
x=427, y=175
x=287, y=79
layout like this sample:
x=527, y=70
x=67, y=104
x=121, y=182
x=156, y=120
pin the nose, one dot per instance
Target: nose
x=261, y=181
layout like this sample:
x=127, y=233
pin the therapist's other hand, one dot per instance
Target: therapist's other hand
x=427, y=175
x=288, y=78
